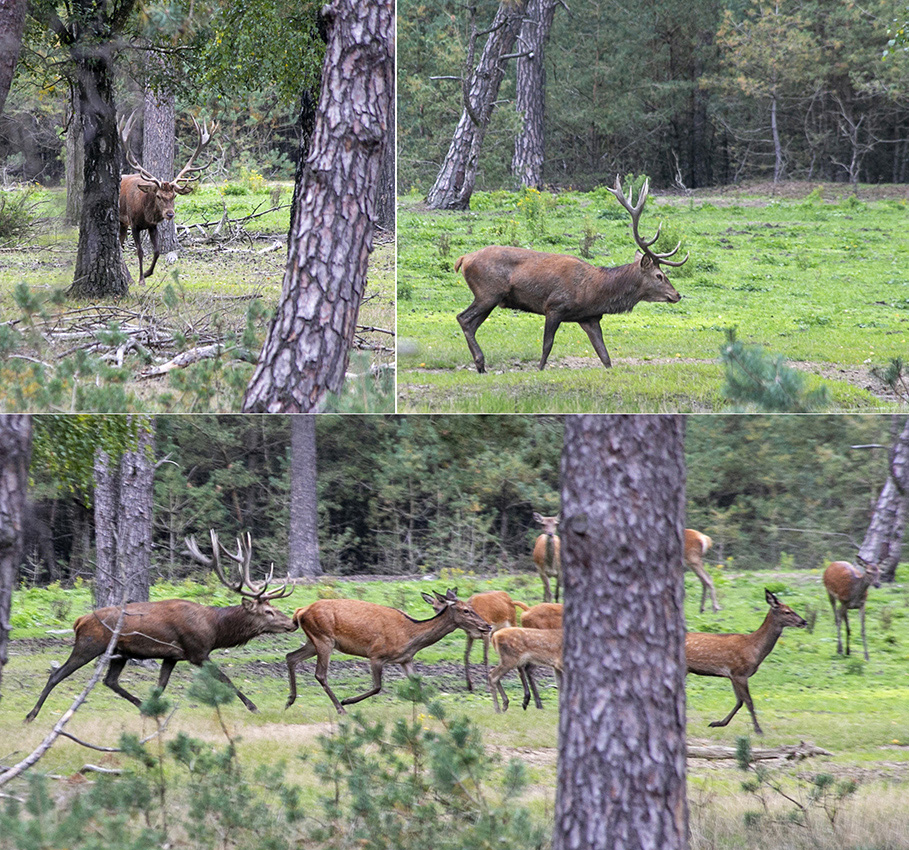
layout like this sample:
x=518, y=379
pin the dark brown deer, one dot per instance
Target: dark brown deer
x=496, y=608
x=696, y=546
x=146, y=201
x=383, y=635
x=177, y=630
x=563, y=288
x=847, y=587
x=737, y=657
x=547, y=554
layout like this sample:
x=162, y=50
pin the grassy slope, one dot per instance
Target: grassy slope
x=816, y=281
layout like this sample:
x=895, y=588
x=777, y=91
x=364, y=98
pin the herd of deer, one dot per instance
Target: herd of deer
x=178, y=630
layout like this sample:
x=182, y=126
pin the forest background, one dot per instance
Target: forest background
x=411, y=495
x=691, y=94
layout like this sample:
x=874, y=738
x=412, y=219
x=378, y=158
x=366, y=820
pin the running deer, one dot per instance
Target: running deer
x=696, y=546
x=177, y=630
x=145, y=201
x=496, y=607
x=547, y=553
x=563, y=288
x=847, y=587
x=520, y=649
x=381, y=634
x=737, y=657
x=546, y=615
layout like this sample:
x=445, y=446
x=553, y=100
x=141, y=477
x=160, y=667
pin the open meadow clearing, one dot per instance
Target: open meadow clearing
x=215, y=301
x=803, y=692
x=806, y=271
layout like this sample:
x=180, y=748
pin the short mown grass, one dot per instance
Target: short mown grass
x=821, y=282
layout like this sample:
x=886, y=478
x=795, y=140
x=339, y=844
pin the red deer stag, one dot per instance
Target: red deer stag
x=696, y=546
x=496, y=607
x=521, y=649
x=847, y=587
x=381, y=634
x=145, y=201
x=562, y=288
x=737, y=657
x=175, y=629
x=547, y=554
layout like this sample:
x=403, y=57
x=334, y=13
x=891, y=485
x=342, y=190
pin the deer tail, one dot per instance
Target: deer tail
x=520, y=605
x=459, y=262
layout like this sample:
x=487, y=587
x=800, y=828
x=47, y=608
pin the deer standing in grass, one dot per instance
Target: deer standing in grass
x=146, y=201
x=696, y=546
x=737, y=657
x=847, y=587
x=520, y=649
x=381, y=634
x=177, y=630
x=563, y=288
x=497, y=609
x=547, y=554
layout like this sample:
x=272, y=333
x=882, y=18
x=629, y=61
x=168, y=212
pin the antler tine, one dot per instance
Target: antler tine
x=189, y=171
x=196, y=552
x=635, y=212
x=125, y=128
x=280, y=592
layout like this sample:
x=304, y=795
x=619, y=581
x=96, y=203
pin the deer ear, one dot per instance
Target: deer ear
x=537, y=517
x=772, y=601
x=184, y=190
x=646, y=261
x=146, y=187
x=428, y=598
x=451, y=593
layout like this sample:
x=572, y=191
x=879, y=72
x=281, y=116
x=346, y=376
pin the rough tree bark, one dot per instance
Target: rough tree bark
x=304, y=509
x=530, y=96
x=123, y=522
x=308, y=346
x=15, y=452
x=621, y=772
x=12, y=22
x=158, y=133
x=75, y=161
x=883, y=541
x=456, y=179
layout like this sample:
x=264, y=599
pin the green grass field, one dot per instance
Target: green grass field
x=816, y=276
x=857, y=710
x=223, y=287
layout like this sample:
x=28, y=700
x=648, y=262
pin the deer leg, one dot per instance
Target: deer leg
x=167, y=667
x=376, y=666
x=530, y=686
x=547, y=593
x=744, y=694
x=864, y=642
x=486, y=639
x=223, y=677
x=495, y=685
x=308, y=650
x=549, y=329
x=112, y=680
x=153, y=238
x=467, y=662
x=595, y=335
x=76, y=660
x=470, y=320
x=557, y=580
x=137, y=238
x=846, y=621
x=836, y=621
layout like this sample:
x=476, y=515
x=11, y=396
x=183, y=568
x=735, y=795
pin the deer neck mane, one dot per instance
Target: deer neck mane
x=620, y=287
x=234, y=626
x=424, y=633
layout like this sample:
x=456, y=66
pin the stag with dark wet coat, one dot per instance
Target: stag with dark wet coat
x=177, y=630
x=563, y=288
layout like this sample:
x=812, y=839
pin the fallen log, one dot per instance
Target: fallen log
x=790, y=752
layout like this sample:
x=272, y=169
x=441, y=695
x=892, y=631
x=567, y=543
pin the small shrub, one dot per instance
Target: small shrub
x=17, y=214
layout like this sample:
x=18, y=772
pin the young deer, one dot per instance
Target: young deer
x=545, y=615
x=737, y=657
x=175, y=629
x=847, y=587
x=547, y=554
x=381, y=634
x=520, y=648
x=696, y=546
x=496, y=607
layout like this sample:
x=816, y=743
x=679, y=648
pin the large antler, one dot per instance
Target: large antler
x=125, y=127
x=635, y=212
x=190, y=172
x=243, y=558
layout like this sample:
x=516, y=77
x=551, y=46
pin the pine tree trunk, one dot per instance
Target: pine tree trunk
x=15, y=452
x=530, y=100
x=12, y=23
x=621, y=771
x=304, y=509
x=386, y=196
x=100, y=270
x=306, y=353
x=75, y=163
x=456, y=179
x=108, y=587
x=158, y=132
x=883, y=541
